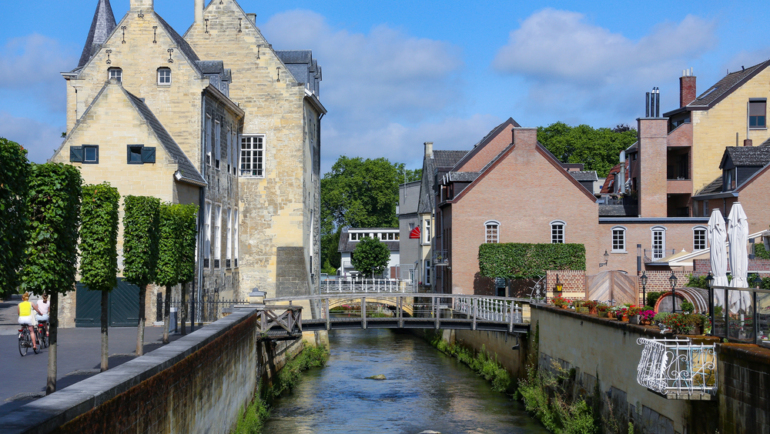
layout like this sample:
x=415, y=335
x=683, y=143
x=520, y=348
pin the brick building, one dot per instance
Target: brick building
x=217, y=118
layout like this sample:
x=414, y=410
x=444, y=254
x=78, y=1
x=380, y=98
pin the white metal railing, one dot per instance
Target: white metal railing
x=489, y=309
x=677, y=367
x=341, y=286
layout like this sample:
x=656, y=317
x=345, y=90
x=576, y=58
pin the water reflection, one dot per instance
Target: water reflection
x=424, y=390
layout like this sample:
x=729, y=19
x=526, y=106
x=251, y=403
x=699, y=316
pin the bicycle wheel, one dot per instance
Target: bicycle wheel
x=23, y=348
x=44, y=338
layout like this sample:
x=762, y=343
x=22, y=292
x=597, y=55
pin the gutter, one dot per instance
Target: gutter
x=716, y=195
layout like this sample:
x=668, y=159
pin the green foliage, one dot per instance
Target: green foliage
x=687, y=307
x=328, y=269
x=53, y=212
x=188, y=233
x=760, y=252
x=527, y=261
x=252, y=418
x=141, y=232
x=482, y=363
x=597, y=148
x=290, y=375
x=169, y=246
x=697, y=282
x=329, y=250
x=370, y=257
x=652, y=298
x=14, y=174
x=361, y=193
x=99, y=237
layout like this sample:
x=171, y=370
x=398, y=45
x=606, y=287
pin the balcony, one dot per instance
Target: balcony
x=441, y=258
x=679, y=186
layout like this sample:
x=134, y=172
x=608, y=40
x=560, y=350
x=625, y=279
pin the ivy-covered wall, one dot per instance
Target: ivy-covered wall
x=521, y=260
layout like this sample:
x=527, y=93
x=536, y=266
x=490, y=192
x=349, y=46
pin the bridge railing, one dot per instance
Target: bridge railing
x=366, y=286
x=490, y=309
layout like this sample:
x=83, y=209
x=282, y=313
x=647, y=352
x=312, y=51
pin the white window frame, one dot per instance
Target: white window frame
x=257, y=160
x=555, y=237
x=229, y=245
x=207, y=243
x=164, y=80
x=207, y=139
x=118, y=74
x=426, y=226
x=217, y=142
x=705, y=238
x=218, y=235
x=235, y=238
x=427, y=272
x=494, y=238
x=621, y=229
x=662, y=254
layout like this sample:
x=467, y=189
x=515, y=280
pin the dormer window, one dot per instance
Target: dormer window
x=757, y=113
x=730, y=176
x=115, y=74
x=164, y=76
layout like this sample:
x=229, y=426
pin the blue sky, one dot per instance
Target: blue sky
x=399, y=73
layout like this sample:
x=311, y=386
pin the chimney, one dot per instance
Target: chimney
x=252, y=18
x=525, y=138
x=686, y=88
x=143, y=5
x=429, y=149
x=748, y=142
x=199, y=5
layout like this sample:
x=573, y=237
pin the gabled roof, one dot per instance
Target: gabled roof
x=510, y=123
x=101, y=27
x=447, y=159
x=426, y=187
x=180, y=42
x=747, y=155
x=589, y=175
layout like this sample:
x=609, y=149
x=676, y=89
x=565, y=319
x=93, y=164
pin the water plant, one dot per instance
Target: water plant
x=482, y=363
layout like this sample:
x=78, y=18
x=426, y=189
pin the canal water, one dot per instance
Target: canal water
x=424, y=391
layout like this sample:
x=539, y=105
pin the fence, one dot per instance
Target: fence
x=741, y=314
x=208, y=310
x=489, y=309
x=366, y=286
x=677, y=368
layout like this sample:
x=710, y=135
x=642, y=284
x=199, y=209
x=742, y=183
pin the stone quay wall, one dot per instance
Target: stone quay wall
x=198, y=383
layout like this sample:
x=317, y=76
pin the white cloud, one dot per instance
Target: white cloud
x=562, y=56
x=40, y=139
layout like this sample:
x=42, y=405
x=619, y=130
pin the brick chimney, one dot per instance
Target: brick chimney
x=145, y=5
x=687, y=92
x=525, y=138
x=748, y=142
x=199, y=4
x=429, y=149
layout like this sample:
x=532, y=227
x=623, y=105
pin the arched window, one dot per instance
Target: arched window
x=658, y=242
x=115, y=74
x=557, y=232
x=164, y=76
x=492, y=231
x=699, y=240
x=619, y=239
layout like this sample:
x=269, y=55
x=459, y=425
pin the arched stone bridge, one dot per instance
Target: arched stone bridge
x=281, y=318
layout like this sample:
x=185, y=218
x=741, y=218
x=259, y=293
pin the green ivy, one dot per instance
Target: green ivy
x=527, y=261
x=141, y=224
x=14, y=174
x=99, y=237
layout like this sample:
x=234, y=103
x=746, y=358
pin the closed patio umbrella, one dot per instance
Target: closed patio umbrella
x=718, y=254
x=738, y=233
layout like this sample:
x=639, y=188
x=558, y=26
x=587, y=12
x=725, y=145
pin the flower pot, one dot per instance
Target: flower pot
x=645, y=322
x=634, y=319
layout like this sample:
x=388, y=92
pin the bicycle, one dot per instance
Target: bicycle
x=25, y=341
x=42, y=334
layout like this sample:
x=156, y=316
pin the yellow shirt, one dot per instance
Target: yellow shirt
x=25, y=308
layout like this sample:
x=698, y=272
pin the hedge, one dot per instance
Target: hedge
x=14, y=174
x=527, y=261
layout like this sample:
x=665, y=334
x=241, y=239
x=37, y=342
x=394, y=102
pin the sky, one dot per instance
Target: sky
x=397, y=73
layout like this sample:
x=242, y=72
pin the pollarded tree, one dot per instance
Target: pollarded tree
x=14, y=174
x=188, y=232
x=53, y=220
x=169, y=259
x=99, y=248
x=141, y=231
x=371, y=257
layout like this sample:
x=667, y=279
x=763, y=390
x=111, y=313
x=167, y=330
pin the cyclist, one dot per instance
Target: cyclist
x=26, y=318
x=43, y=306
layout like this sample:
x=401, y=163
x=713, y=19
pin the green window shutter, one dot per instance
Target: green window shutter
x=148, y=155
x=76, y=154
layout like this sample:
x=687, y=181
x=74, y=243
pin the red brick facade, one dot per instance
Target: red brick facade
x=573, y=283
x=701, y=267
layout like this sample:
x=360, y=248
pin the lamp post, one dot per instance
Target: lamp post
x=710, y=283
x=643, y=280
x=673, y=280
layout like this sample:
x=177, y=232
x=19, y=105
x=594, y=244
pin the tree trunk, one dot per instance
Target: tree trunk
x=166, y=314
x=105, y=328
x=53, y=325
x=184, y=309
x=142, y=319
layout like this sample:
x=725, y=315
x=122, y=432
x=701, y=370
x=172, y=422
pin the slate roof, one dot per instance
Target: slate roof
x=345, y=245
x=726, y=85
x=447, y=158
x=589, y=175
x=633, y=148
x=302, y=66
x=461, y=176
x=714, y=186
x=747, y=155
x=180, y=42
x=101, y=27
x=211, y=66
x=432, y=168
x=186, y=169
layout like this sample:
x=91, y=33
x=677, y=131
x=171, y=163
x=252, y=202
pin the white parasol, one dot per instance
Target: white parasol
x=718, y=256
x=738, y=232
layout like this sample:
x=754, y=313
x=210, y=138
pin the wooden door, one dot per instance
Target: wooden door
x=613, y=285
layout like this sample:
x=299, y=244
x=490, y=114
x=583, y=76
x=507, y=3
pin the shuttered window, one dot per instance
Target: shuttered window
x=757, y=114
x=76, y=154
x=140, y=154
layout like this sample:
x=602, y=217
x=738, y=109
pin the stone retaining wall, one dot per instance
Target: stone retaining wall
x=744, y=389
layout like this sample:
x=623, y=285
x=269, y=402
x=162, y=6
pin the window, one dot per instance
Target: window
x=619, y=239
x=705, y=208
x=235, y=237
x=217, y=143
x=208, y=140
x=252, y=156
x=164, y=76
x=411, y=227
x=492, y=234
x=427, y=272
x=229, y=246
x=658, y=242
x=235, y=152
x=229, y=150
x=757, y=110
x=427, y=230
x=207, y=243
x=699, y=238
x=115, y=74
x=140, y=154
x=557, y=232
x=217, y=235
x=86, y=154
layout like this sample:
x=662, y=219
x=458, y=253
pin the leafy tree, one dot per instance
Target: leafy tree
x=599, y=149
x=53, y=215
x=330, y=250
x=169, y=258
x=371, y=257
x=14, y=174
x=99, y=249
x=188, y=233
x=141, y=231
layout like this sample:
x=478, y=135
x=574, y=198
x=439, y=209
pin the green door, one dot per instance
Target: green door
x=123, y=305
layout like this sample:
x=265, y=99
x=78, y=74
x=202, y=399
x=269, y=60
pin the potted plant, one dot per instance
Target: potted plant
x=633, y=314
x=687, y=307
x=603, y=310
x=646, y=316
x=560, y=302
x=591, y=305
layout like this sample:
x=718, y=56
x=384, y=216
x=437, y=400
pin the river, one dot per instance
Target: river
x=424, y=390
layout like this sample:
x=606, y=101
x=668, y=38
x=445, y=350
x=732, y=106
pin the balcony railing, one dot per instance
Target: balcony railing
x=677, y=368
x=741, y=314
x=441, y=258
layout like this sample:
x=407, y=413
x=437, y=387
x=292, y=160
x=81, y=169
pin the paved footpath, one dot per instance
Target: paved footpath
x=23, y=379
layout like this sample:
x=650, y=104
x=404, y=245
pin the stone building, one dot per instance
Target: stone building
x=215, y=118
